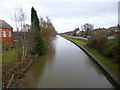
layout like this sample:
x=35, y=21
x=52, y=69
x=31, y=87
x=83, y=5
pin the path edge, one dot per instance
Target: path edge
x=103, y=67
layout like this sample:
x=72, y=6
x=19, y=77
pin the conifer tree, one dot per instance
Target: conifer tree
x=41, y=45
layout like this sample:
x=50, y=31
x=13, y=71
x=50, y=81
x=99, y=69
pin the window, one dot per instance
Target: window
x=10, y=35
x=4, y=33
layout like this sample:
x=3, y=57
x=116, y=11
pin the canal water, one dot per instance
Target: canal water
x=65, y=66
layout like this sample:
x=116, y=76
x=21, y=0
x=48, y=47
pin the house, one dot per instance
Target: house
x=102, y=30
x=70, y=33
x=115, y=30
x=76, y=32
x=6, y=32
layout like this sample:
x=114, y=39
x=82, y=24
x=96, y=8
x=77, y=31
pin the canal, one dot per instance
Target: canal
x=65, y=66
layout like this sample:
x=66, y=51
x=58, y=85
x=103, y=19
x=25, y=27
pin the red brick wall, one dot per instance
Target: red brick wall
x=7, y=38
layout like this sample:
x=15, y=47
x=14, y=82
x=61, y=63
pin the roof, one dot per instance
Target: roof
x=77, y=29
x=3, y=24
x=114, y=28
x=19, y=34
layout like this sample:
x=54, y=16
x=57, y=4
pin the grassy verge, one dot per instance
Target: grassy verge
x=105, y=60
x=8, y=56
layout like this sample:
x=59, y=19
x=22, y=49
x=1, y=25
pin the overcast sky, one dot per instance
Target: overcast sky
x=66, y=15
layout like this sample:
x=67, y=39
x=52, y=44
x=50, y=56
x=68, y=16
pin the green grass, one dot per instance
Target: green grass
x=108, y=62
x=8, y=56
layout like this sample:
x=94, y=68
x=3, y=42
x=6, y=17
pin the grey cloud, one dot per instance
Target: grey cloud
x=79, y=9
x=97, y=13
x=69, y=15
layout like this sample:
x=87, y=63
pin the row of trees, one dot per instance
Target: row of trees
x=32, y=38
x=47, y=28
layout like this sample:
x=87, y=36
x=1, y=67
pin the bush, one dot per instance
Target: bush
x=112, y=49
x=92, y=42
x=108, y=47
x=97, y=43
x=100, y=44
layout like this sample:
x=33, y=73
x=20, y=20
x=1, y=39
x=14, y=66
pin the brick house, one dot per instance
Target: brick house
x=6, y=32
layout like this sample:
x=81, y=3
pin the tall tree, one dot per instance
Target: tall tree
x=87, y=27
x=19, y=19
x=41, y=45
x=47, y=29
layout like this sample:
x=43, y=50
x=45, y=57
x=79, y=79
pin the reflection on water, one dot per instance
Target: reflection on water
x=65, y=66
x=36, y=71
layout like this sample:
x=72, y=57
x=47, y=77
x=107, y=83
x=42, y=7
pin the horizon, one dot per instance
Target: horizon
x=66, y=15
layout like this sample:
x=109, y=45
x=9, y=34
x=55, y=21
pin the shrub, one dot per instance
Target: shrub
x=97, y=43
x=112, y=49
x=100, y=44
x=92, y=42
x=108, y=47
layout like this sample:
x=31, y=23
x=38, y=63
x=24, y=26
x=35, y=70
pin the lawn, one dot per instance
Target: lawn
x=105, y=60
x=8, y=56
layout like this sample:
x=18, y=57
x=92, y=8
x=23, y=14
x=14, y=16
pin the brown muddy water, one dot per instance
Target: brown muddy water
x=65, y=66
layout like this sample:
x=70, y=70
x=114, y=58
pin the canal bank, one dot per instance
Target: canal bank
x=65, y=66
x=19, y=71
x=115, y=79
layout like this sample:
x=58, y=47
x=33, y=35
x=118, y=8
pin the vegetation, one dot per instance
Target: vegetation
x=87, y=28
x=9, y=56
x=40, y=43
x=29, y=41
x=47, y=29
x=105, y=46
x=97, y=43
x=108, y=61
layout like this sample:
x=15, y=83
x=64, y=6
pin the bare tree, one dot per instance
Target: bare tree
x=19, y=19
x=47, y=28
x=87, y=27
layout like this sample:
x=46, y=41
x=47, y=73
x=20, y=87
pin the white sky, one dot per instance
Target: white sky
x=66, y=15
